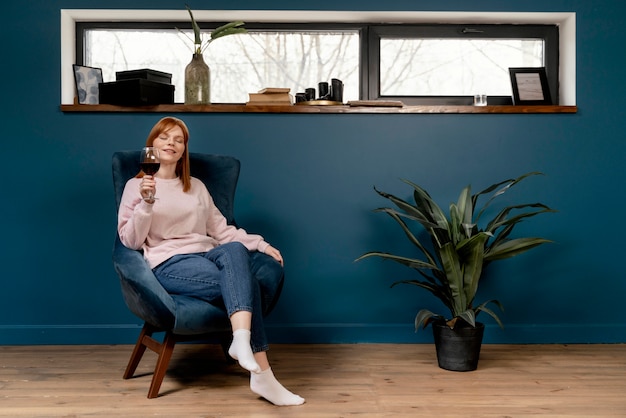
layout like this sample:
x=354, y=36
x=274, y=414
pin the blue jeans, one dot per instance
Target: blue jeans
x=222, y=277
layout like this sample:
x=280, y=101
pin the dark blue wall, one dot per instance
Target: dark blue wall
x=306, y=184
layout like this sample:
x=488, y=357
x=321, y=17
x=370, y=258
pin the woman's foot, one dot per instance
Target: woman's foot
x=265, y=384
x=241, y=351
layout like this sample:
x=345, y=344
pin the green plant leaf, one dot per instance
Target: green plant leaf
x=196, y=29
x=454, y=275
x=426, y=205
x=412, y=238
x=509, y=183
x=409, y=262
x=231, y=28
x=513, y=247
x=425, y=317
x=457, y=232
x=411, y=211
x=483, y=308
x=471, y=254
x=468, y=316
x=440, y=292
x=502, y=217
x=465, y=205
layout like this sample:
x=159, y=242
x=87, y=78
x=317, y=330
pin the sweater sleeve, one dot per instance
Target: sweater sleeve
x=218, y=228
x=134, y=216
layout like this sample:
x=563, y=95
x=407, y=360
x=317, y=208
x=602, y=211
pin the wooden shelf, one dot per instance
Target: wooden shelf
x=242, y=108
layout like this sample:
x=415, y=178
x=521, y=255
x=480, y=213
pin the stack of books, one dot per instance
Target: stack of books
x=271, y=96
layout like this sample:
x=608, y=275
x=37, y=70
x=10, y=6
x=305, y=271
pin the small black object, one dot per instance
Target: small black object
x=336, y=90
x=310, y=93
x=135, y=92
x=144, y=74
x=323, y=90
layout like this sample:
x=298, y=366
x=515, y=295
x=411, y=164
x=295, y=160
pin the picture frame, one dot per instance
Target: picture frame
x=530, y=86
x=87, y=80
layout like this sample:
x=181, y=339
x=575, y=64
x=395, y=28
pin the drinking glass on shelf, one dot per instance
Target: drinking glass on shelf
x=480, y=100
x=149, y=163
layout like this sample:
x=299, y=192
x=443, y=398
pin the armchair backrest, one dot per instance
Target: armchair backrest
x=219, y=173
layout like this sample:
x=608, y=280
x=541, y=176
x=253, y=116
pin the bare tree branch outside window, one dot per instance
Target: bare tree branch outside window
x=245, y=63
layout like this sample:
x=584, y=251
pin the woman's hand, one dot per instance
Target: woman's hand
x=147, y=188
x=275, y=254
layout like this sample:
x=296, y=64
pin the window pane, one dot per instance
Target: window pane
x=450, y=67
x=239, y=64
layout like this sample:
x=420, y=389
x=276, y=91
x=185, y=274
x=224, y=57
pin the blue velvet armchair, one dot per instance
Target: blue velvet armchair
x=181, y=317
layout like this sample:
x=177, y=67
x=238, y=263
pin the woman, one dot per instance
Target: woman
x=193, y=251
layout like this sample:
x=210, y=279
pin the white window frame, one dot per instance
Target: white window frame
x=565, y=20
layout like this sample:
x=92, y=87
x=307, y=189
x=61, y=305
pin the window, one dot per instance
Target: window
x=415, y=60
x=297, y=57
x=451, y=63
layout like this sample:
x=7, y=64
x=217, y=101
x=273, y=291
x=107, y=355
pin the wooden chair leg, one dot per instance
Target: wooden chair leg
x=163, y=349
x=138, y=351
x=165, y=354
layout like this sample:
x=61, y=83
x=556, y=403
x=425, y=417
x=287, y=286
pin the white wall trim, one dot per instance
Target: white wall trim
x=565, y=20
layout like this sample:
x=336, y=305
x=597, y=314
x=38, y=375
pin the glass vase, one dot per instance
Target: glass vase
x=197, y=81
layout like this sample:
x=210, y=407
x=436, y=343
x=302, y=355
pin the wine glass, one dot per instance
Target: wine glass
x=149, y=163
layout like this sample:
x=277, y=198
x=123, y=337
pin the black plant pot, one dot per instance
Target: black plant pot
x=458, y=349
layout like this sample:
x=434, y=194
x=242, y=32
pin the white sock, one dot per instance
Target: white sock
x=265, y=384
x=241, y=351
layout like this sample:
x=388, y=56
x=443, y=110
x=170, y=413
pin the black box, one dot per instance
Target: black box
x=135, y=92
x=144, y=74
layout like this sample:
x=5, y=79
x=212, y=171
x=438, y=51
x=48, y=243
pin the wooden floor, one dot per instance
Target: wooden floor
x=362, y=380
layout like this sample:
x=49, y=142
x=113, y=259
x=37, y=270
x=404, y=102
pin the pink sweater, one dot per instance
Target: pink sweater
x=177, y=222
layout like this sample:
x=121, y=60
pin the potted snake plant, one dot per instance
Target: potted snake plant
x=451, y=262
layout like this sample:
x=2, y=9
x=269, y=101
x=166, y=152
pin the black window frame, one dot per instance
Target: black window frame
x=370, y=35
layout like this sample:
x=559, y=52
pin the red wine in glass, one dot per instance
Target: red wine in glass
x=150, y=163
x=150, y=167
